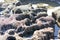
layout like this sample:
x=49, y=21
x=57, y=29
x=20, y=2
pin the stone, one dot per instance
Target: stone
x=18, y=11
x=28, y=22
x=30, y=30
x=20, y=17
x=39, y=36
x=18, y=3
x=1, y=33
x=23, y=16
x=6, y=36
x=10, y=31
x=42, y=34
x=46, y=21
x=20, y=29
x=11, y=38
x=6, y=27
x=41, y=14
x=57, y=16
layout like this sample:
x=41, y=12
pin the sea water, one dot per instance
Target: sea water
x=56, y=32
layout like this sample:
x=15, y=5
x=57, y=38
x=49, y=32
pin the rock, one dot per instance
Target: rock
x=42, y=34
x=28, y=22
x=10, y=31
x=11, y=38
x=39, y=22
x=41, y=14
x=46, y=21
x=30, y=30
x=39, y=36
x=58, y=21
x=18, y=3
x=36, y=11
x=33, y=13
x=6, y=27
x=20, y=17
x=56, y=16
x=23, y=16
x=20, y=29
x=18, y=11
x=2, y=9
x=6, y=36
x=1, y=33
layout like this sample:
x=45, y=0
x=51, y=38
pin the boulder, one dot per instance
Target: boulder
x=30, y=30
x=23, y=16
x=10, y=31
x=43, y=34
x=18, y=11
x=20, y=29
x=46, y=21
x=18, y=3
x=6, y=27
x=41, y=14
x=56, y=16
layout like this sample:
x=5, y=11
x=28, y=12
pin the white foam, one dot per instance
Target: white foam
x=1, y=0
x=34, y=6
x=49, y=11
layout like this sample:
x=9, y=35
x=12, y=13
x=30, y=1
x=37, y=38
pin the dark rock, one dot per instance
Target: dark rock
x=41, y=15
x=11, y=32
x=1, y=9
x=59, y=19
x=34, y=14
x=20, y=17
x=54, y=15
x=6, y=27
x=27, y=16
x=20, y=29
x=28, y=22
x=37, y=10
x=47, y=33
x=2, y=33
x=23, y=16
x=18, y=3
x=21, y=34
x=30, y=30
x=47, y=21
x=18, y=11
x=11, y=38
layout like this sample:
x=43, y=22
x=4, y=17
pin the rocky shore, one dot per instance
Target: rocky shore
x=28, y=22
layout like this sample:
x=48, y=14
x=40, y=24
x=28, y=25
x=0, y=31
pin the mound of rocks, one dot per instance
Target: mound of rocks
x=24, y=22
x=43, y=34
x=26, y=28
